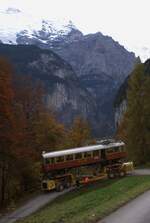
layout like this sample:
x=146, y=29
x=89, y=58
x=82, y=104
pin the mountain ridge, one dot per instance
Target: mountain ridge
x=100, y=64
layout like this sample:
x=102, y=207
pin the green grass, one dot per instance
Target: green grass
x=91, y=203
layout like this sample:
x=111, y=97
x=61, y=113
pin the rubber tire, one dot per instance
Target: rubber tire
x=122, y=174
x=60, y=188
x=111, y=175
x=68, y=185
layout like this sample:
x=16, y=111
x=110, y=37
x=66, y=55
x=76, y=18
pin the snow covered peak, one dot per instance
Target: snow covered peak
x=57, y=27
x=16, y=24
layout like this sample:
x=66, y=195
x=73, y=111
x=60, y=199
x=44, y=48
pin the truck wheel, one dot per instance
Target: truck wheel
x=122, y=174
x=60, y=188
x=111, y=175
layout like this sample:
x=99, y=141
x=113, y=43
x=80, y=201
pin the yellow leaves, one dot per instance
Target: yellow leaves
x=79, y=134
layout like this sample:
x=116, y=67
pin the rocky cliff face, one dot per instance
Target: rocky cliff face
x=96, y=54
x=64, y=94
x=120, y=102
x=119, y=112
x=101, y=65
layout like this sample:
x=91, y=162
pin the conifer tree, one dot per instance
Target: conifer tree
x=146, y=111
x=134, y=128
x=135, y=125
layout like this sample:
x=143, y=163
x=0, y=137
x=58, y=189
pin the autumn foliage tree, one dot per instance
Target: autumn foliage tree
x=79, y=134
x=7, y=126
x=27, y=128
x=41, y=131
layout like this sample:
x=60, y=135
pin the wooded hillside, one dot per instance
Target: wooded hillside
x=135, y=126
x=27, y=128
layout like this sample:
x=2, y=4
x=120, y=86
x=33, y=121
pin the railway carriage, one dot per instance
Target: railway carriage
x=63, y=168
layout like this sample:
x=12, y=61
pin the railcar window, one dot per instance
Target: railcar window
x=122, y=149
x=116, y=149
x=119, y=149
x=60, y=159
x=87, y=154
x=95, y=153
x=69, y=157
x=78, y=156
x=111, y=150
x=52, y=160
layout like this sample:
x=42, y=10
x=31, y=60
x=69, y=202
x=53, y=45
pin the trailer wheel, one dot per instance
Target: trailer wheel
x=111, y=175
x=68, y=185
x=60, y=188
x=77, y=183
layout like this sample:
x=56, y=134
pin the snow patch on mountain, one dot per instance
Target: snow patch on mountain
x=13, y=22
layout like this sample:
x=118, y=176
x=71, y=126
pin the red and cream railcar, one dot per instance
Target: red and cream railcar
x=88, y=155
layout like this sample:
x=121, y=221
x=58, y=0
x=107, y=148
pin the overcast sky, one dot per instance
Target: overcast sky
x=127, y=21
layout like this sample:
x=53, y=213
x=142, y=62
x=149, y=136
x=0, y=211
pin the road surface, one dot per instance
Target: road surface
x=31, y=206
x=136, y=211
x=141, y=172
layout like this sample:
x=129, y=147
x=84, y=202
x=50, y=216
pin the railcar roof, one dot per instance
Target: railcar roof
x=81, y=149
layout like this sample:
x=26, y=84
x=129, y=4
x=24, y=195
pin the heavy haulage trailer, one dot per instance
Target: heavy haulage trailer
x=65, y=168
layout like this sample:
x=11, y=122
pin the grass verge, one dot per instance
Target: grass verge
x=91, y=203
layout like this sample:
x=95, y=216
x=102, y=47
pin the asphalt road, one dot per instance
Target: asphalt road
x=136, y=211
x=31, y=206
x=141, y=172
